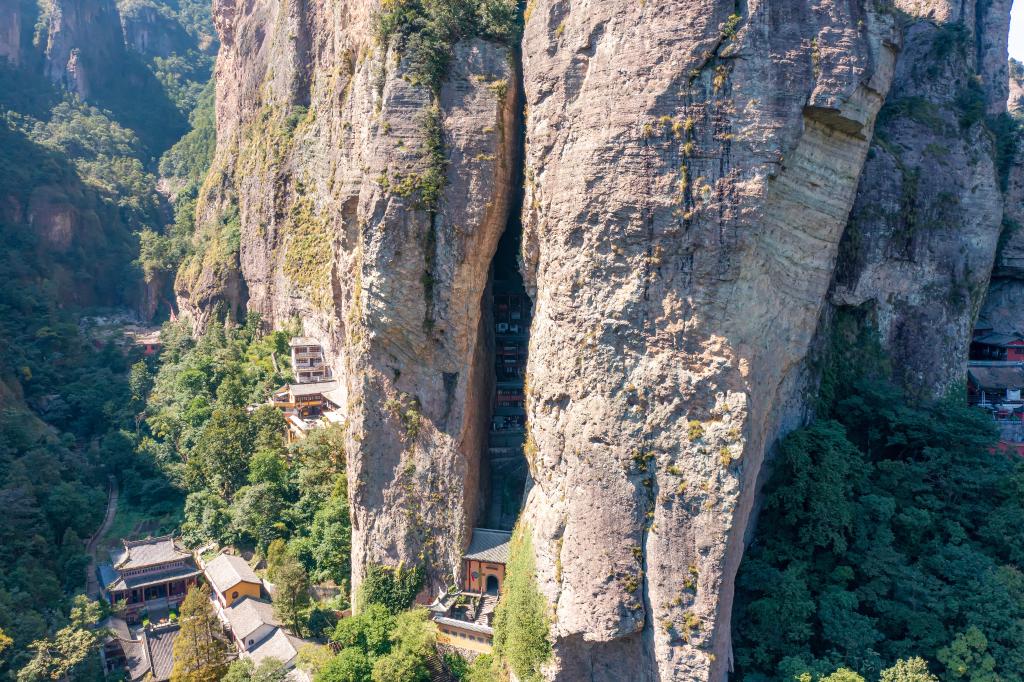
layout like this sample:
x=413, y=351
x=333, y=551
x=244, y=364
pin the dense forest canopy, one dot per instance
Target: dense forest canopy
x=891, y=528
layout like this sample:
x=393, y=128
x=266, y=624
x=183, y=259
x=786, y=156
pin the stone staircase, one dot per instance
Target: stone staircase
x=438, y=673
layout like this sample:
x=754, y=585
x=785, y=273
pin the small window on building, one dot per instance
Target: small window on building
x=251, y=641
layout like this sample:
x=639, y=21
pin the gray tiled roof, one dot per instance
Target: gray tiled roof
x=489, y=545
x=136, y=658
x=148, y=552
x=161, y=651
x=997, y=377
x=227, y=570
x=313, y=388
x=147, y=579
x=465, y=625
x=999, y=339
x=151, y=657
x=248, y=615
x=280, y=645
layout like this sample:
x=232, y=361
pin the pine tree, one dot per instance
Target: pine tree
x=200, y=653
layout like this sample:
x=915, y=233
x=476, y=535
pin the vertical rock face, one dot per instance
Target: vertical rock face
x=84, y=44
x=315, y=209
x=690, y=170
x=11, y=30
x=689, y=173
x=918, y=250
x=152, y=34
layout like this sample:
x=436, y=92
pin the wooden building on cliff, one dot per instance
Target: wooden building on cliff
x=465, y=617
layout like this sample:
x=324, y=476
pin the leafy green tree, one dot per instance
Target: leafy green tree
x=200, y=653
x=883, y=538
x=843, y=675
x=60, y=657
x=257, y=513
x=910, y=670
x=244, y=670
x=207, y=519
x=369, y=631
x=395, y=588
x=292, y=597
x=967, y=658
x=482, y=669
x=350, y=665
x=267, y=466
x=412, y=641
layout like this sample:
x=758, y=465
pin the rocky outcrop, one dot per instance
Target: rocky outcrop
x=690, y=171
x=918, y=250
x=11, y=30
x=689, y=174
x=326, y=157
x=1004, y=299
x=150, y=32
x=83, y=45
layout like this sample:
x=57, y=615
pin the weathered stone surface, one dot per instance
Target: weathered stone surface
x=319, y=138
x=11, y=30
x=689, y=175
x=917, y=253
x=679, y=266
x=84, y=46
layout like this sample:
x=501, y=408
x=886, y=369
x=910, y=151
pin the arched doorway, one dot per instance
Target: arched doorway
x=492, y=584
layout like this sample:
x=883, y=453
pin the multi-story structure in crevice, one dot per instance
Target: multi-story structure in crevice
x=505, y=462
x=308, y=363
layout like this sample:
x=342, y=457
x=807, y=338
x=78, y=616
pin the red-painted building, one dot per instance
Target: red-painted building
x=996, y=346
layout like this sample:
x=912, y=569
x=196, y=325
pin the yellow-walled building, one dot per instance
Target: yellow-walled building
x=231, y=579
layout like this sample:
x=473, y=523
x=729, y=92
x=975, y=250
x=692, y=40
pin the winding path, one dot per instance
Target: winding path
x=92, y=584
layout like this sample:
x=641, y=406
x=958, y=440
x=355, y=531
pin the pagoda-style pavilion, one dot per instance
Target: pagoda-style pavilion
x=149, y=576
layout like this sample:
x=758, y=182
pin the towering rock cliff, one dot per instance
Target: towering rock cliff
x=83, y=45
x=918, y=250
x=690, y=169
x=690, y=172
x=369, y=206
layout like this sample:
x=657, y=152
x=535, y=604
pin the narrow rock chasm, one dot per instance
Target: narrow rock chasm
x=505, y=475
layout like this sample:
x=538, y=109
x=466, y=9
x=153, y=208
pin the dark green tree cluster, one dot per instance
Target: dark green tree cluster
x=244, y=485
x=891, y=529
x=394, y=588
x=380, y=646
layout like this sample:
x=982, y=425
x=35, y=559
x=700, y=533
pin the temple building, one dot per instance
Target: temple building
x=231, y=580
x=308, y=364
x=998, y=347
x=150, y=576
x=147, y=654
x=465, y=617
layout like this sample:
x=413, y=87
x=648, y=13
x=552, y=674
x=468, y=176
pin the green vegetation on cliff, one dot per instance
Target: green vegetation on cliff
x=425, y=31
x=521, y=620
x=243, y=484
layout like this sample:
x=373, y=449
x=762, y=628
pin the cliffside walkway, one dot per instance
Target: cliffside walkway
x=92, y=585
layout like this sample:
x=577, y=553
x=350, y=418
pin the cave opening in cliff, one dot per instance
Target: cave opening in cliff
x=506, y=473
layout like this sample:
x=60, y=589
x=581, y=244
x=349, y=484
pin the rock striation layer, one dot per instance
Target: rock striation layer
x=690, y=171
